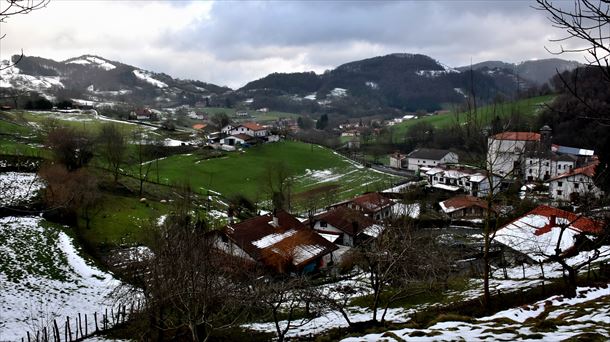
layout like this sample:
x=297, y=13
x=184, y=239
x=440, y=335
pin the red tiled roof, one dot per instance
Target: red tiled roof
x=461, y=202
x=576, y=221
x=289, y=242
x=521, y=136
x=253, y=126
x=199, y=126
x=243, y=137
x=349, y=221
x=587, y=170
x=372, y=202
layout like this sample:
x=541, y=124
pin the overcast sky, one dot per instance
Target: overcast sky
x=232, y=43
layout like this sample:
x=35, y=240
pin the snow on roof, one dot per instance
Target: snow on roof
x=373, y=231
x=330, y=237
x=446, y=187
x=537, y=233
x=272, y=239
x=302, y=253
x=461, y=202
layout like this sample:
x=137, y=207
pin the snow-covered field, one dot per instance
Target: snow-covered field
x=43, y=276
x=18, y=187
x=553, y=319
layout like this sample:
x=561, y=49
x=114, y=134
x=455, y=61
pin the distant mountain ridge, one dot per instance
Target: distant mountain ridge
x=99, y=80
x=394, y=82
x=536, y=71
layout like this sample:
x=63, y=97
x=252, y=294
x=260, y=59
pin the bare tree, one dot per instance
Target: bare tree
x=70, y=147
x=10, y=8
x=585, y=21
x=278, y=185
x=188, y=283
x=113, y=146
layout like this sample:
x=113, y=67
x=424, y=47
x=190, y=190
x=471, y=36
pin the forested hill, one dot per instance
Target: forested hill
x=401, y=81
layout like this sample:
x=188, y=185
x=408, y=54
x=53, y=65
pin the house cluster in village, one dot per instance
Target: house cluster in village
x=526, y=157
x=284, y=243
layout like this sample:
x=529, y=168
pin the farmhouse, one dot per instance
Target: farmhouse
x=465, y=207
x=142, y=114
x=505, y=151
x=575, y=183
x=398, y=160
x=428, y=157
x=372, y=204
x=278, y=241
x=249, y=128
x=344, y=226
x=453, y=178
x=538, y=233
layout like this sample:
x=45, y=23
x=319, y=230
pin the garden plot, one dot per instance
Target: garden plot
x=43, y=276
x=553, y=319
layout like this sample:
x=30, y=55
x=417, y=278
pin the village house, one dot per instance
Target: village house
x=470, y=180
x=536, y=234
x=372, y=204
x=278, y=241
x=237, y=140
x=576, y=183
x=249, y=128
x=425, y=158
x=398, y=160
x=505, y=151
x=142, y=114
x=345, y=226
x=465, y=207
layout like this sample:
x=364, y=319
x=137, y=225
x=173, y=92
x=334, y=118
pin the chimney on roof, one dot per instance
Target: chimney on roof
x=545, y=137
x=553, y=222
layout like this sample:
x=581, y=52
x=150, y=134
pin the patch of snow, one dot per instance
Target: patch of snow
x=18, y=187
x=272, y=239
x=147, y=76
x=372, y=85
x=311, y=96
x=338, y=92
x=98, y=62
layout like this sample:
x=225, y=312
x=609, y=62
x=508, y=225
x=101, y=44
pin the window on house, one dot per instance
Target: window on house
x=559, y=183
x=576, y=186
x=323, y=224
x=546, y=164
x=530, y=171
x=531, y=162
x=559, y=192
x=590, y=186
x=435, y=178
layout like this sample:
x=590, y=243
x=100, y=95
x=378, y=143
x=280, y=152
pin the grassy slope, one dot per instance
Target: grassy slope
x=528, y=107
x=246, y=172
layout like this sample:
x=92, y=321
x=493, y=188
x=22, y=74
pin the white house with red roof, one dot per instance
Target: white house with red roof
x=576, y=183
x=505, y=151
x=252, y=129
x=538, y=233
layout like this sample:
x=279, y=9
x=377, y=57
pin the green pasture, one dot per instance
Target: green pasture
x=247, y=172
x=527, y=107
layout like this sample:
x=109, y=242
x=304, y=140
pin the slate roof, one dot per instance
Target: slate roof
x=520, y=136
x=428, y=153
x=290, y=242
x=347, y=220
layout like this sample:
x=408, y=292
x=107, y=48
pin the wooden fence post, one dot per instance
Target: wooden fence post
x=28, y=336
x=44, y=334
x=69, y=328
x=95, y=319
x=86, y=330
x=76, y=328
x=80, y=326
x=56, y=330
